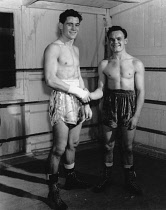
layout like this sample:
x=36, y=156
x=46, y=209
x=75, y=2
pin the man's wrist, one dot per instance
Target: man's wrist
x=136, y=115
x=85, y=89
x=85, y=104
x=77, y=91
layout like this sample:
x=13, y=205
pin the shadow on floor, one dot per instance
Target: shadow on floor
x=151, y=175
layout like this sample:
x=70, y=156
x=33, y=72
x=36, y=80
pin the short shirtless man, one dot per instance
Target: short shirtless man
x=66, y=110
x=121, y=78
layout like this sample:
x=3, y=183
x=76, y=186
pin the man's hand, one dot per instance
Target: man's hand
x=86, y=98
x=132, y=123
x=82, y=94
x=91, y=96
x=97, y=94
x=88, y=112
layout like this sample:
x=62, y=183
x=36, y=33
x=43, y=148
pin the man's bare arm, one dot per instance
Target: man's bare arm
x=140, y=87
x=98, y=93
x=51, y=55
x=50, y=69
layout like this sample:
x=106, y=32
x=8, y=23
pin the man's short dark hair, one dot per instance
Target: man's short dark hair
x=69, y=13
x=117, y=28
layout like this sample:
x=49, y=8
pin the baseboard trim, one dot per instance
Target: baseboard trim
x=150, y=151
x=140, y=148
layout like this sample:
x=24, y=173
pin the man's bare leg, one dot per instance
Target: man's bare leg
x=72, y=181
x=109, y=142
x=58, y=149
x=127, y=138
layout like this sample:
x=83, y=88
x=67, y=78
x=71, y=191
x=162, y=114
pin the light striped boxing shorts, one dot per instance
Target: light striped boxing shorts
x=65, y=107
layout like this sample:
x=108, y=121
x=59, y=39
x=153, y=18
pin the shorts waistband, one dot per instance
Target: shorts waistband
x=74, y=82
x=120, y=91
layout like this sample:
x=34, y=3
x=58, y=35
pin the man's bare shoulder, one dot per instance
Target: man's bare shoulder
x=76, y=49
x=138, y=64
x=53, y=45
x=52, y=48
x=103, y=64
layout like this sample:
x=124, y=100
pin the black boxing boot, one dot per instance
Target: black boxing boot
x=53, y=195
x=73, y=182
x=130, y=181
x=104, y=180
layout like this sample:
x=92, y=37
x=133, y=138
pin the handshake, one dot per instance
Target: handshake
x=83, y=95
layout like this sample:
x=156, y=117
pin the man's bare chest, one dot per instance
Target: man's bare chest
x=117, y=70
x=68, y=57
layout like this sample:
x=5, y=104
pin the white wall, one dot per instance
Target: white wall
x=40, y=29
x=146, y=26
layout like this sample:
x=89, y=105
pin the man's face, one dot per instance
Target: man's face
x=117, y=41
x=70, y=27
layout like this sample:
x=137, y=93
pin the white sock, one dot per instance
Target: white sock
x=109, y=164
x=69, y=166
x=128, y=166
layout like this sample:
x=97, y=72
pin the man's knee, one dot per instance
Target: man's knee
x=128, y=149
x=58, y=150
x=73, y=144
x=109, y=146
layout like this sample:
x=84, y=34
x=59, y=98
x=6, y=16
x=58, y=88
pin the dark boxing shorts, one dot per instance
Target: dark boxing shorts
x=118, y=107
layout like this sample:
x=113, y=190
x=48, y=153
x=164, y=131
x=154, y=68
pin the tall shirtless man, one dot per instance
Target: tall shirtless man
x=66, y=109
x=121, y=77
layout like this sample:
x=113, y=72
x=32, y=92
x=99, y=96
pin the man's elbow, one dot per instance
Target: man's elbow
x=101, y=94
x=48, y=82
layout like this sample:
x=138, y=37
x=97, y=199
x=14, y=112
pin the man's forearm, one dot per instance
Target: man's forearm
x=139, y=104
x=97, y=94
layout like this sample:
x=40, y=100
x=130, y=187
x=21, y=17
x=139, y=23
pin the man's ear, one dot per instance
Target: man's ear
x=60, y=26
x=126, y=41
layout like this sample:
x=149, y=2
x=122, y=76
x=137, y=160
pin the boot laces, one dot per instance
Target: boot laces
x=105, y=176
x=102, y=183
x=76, y=179
x=132, y=181
x=56, y=195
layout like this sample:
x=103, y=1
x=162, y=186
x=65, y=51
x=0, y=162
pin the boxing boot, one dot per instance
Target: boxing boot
x=54, y=196
x=73, y=182
x=104, y=180
x=130, y=181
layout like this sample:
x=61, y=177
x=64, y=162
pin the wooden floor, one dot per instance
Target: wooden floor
x=23, y=185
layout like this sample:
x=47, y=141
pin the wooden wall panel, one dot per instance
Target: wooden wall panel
x=11, y=4
x=90, y=40
x=100, y=45
x=87, y=40
x=146, y=26
x=153, y=141
x=40, y=29
x=11, y=126
x=14, y=93
x=153, y=117
x=39, y=120
x=36, y=82
x=39, y=143
x=163, y=19
x=153, y=122
x=155, y=86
